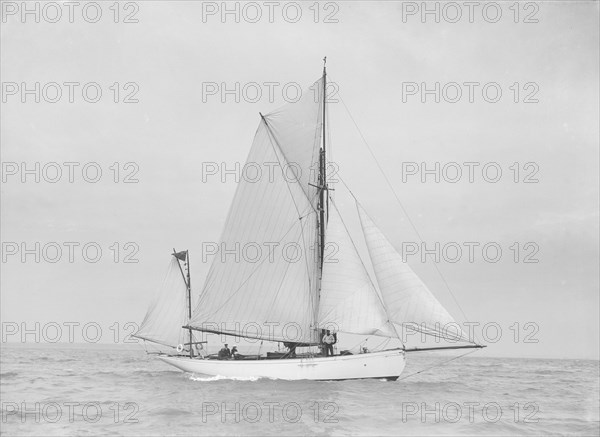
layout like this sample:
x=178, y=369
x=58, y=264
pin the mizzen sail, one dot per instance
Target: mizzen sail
x=168, y=311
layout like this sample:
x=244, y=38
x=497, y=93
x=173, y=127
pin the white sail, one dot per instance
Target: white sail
x=407, y=299
x=349, y=301
x=168, y=311
x=262, y=282
x=297, y=130
x=266, y=282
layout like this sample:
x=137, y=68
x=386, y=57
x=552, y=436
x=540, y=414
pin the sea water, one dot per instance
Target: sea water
x=91, y=390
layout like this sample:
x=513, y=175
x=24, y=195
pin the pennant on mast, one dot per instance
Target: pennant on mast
x=181, y=255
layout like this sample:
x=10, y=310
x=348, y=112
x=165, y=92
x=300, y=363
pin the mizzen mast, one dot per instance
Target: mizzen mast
x=185, y=257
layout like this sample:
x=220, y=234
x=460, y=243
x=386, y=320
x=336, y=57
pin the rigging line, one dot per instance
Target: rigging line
x=231, y=217
x=315, y=309
x=317, y=135
x=286, y=270
x=421, y=240
x=438, y=364
x=271, y=140
x=155, y=301
x=361, y=261
x=280, y=285
x=162, y=343
x=319, y=125
x=306, y=260
x=435, y=334
x=384, y=343
x=373, y=334
x=362, y=341
x=210, y=276
x=312, y=296
x=401, y=205
x=251, y=274
x=366, y=271
x=229, y=210
x=381, y=344
x=375, y=289
x=181, y=270
x=358, y=205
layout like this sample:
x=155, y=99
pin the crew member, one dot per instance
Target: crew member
x=328, y=341
x=224, y=353
x=291, y=349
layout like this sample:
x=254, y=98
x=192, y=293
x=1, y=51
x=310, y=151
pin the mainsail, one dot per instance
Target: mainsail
x=263, y=281
x=168, y=311
x=408, y=301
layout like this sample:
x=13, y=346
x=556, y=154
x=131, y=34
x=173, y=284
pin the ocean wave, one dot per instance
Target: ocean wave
x=224, y=378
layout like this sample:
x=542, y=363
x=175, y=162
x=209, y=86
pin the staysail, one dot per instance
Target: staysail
x=168, y=311
x=408, y=301
x=262, y=282
x=349, y=300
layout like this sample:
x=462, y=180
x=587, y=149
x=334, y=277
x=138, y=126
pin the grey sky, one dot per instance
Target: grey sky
x=171, y=52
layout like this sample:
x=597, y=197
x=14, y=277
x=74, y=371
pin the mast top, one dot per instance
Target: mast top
x=324, y=62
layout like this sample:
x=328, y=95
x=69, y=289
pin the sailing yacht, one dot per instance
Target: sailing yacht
x=286, y=288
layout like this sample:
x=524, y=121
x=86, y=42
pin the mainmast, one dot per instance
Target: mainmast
x=189, y=296
x=323, y=199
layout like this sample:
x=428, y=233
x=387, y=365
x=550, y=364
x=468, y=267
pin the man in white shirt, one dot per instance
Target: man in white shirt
x=328, y=341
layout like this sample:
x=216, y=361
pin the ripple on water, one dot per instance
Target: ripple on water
x=167, y=401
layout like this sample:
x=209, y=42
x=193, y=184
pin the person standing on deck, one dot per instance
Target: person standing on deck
x=328, y=341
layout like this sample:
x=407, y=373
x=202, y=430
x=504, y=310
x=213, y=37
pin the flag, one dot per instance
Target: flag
x=181, y=255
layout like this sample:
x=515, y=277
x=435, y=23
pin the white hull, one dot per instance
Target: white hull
x=387, y=364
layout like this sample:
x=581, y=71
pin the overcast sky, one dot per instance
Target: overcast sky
x=373, y=51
